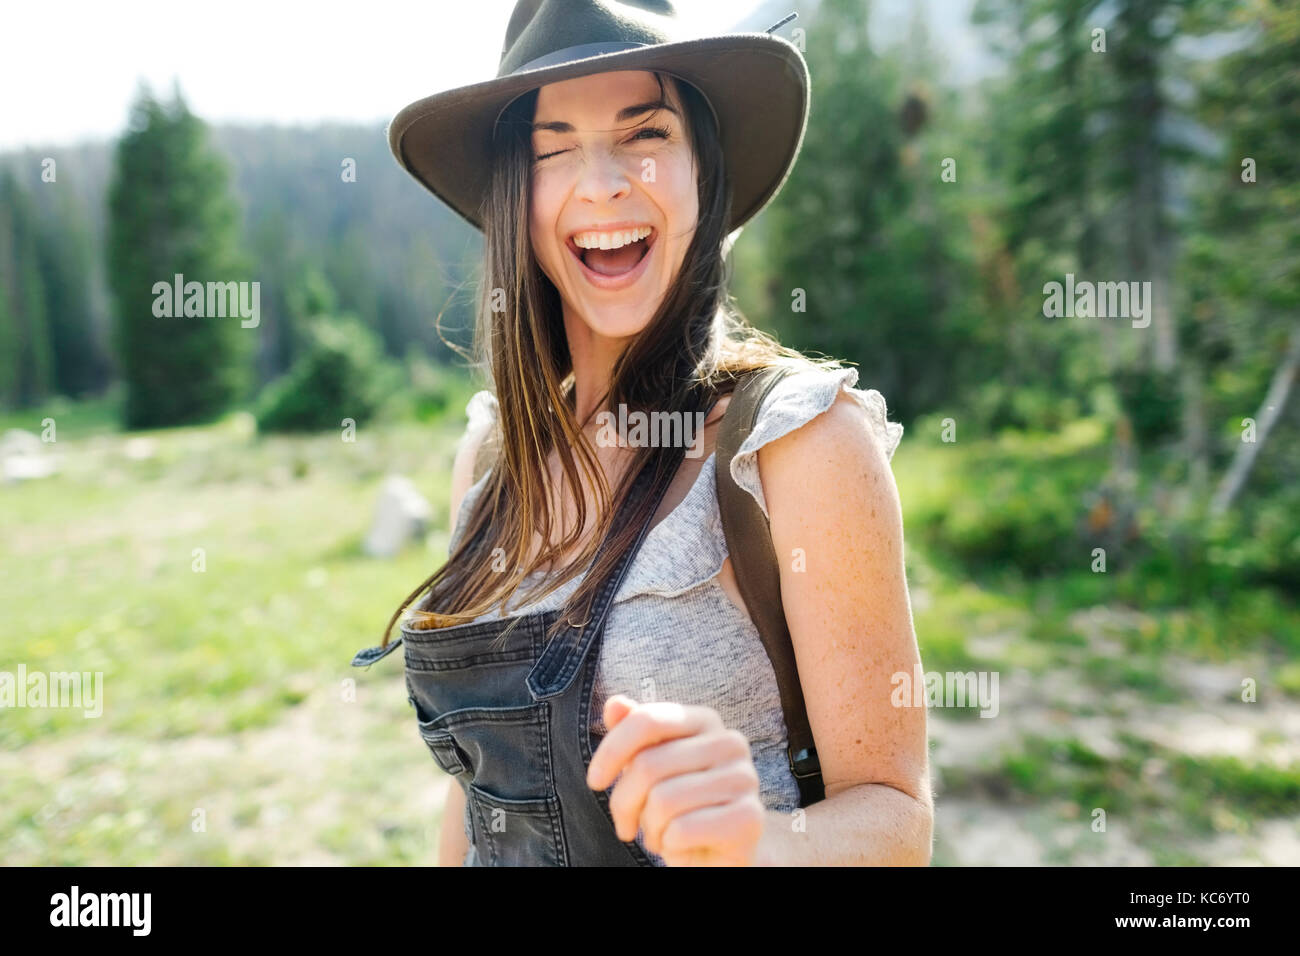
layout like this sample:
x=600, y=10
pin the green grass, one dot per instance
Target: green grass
x=103, y=571
x=955, y=518
x=1158, y=792
x=72, y=420
x=1164, y=799
x=99, y=573
x=225, y=690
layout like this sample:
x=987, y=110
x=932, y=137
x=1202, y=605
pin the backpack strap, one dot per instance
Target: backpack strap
x=758, y=574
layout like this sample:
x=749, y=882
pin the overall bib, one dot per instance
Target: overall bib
x=510, y=720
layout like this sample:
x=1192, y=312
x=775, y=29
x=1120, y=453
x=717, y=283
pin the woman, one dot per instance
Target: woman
x=584, y=664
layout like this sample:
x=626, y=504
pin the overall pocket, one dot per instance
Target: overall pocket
x=445, y=751
x=505, y=751
x=468, y=686
x=517, y=832
x=502, y=756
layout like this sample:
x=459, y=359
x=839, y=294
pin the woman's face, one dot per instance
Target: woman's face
x=614, y=196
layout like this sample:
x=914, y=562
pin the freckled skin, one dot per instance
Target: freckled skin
x=830, y=491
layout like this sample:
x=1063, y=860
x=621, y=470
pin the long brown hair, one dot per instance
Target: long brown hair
x=688, y=356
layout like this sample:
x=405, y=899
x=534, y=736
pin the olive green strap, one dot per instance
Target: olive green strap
x=758, y=574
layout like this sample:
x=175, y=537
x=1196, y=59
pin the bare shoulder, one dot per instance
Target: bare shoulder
x=842, y=444
x=831, y=478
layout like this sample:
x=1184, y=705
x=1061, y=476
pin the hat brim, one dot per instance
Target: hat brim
x=757, y=84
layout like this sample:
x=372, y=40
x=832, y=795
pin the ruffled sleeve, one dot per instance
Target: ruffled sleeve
x=482, y=412
x=688, y=547
x=798, y=399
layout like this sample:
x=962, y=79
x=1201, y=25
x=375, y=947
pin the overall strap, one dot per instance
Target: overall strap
x=562, y=659
x=758, y=574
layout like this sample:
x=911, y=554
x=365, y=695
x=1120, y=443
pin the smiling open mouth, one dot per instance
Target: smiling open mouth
x=633, y=245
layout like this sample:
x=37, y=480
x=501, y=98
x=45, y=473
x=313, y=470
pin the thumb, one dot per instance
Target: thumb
x=618, y=707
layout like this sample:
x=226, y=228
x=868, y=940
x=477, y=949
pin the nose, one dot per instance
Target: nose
x=602, y=179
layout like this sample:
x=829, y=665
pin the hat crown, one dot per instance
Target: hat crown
x=756, y=85
x=543, y=30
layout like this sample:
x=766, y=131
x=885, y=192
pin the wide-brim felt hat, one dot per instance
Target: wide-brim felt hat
x=756, y=83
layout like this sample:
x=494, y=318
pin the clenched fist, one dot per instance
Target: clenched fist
x=686, y=781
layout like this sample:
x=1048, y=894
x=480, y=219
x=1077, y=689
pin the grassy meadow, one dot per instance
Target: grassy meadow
x=231, y=732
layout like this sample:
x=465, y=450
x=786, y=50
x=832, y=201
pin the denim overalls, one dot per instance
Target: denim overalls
x=510, y=721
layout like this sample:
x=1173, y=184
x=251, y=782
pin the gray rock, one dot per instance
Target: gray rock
x=23, y=456
x=402, y=515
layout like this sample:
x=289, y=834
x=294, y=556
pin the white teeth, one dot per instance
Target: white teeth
x=610, y=240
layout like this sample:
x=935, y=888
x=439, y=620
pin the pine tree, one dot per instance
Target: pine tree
x=170, y=213
x=1242, y=258
x=1091, y=133
x=65, y=255
x=26, y=363
x=859, y=257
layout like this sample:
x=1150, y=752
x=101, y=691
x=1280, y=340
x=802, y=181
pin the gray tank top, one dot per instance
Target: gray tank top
x=672, y=633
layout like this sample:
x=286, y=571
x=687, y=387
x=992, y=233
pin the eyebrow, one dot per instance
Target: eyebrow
x=626, y=113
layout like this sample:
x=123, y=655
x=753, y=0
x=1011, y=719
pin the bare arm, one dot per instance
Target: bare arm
x=452, y=843
x=831, y=493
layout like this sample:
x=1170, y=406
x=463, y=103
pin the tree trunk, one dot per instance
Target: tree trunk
x=1244, y=460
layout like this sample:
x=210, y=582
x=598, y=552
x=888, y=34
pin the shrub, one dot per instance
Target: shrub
x=430, y=389
x=1153, y=403
x=1017, y=501
x=340, y=374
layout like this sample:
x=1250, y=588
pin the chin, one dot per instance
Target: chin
x=615, y=321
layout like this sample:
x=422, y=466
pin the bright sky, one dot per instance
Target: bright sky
x=70, y=70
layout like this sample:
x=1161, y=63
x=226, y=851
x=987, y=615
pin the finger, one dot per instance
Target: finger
x=687, y=793
x=725, y=835
x=618, y=707
x=661, y=762
x=647, y=725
